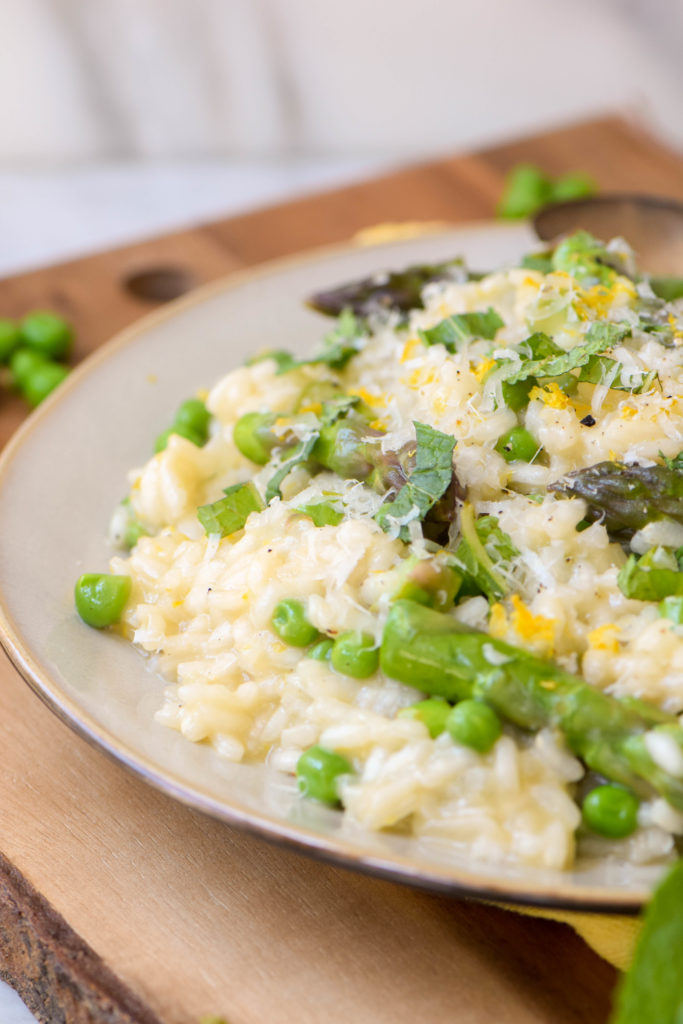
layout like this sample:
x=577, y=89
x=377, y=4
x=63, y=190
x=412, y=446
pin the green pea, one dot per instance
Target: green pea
x=518, y=445
x=100, y=598
x=193, y=415
x=47, y=333
x=317, y=772
x=42, y=380
x=182, y=431
x=291, y=625
x=611, y=811
x=355, y=654
x=251, y=435
x=672, y=608
x=432, y=712
x=23, y=362
x=10, y=339
x=526, y=189
x=574, y=185
x=474, y=724
x=321, y=651
x=133, y=532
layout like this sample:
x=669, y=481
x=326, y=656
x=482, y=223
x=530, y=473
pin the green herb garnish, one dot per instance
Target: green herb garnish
x=599, y=337
x=322, y=513
x=427, y=483
x=527, y=188
x=460, y=327
x=229, y=514
x=652, y=577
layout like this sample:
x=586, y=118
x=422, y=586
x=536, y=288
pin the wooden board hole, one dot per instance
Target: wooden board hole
x=159, y=284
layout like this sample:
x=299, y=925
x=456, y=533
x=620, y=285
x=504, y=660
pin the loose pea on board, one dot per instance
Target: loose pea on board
x=47, y=333
x=42, y=380
x=34, y=351
x=10, y=339
x=22, y=363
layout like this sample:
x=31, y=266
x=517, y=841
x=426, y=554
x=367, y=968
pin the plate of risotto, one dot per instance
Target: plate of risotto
x=379, y=552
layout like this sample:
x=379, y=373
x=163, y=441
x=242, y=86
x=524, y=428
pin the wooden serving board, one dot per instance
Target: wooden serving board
x=119, y=905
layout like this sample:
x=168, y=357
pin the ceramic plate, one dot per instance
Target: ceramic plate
x=65, y=471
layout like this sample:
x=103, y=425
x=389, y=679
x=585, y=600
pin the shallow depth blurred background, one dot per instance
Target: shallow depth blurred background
x=120, y=118
x=124, y=118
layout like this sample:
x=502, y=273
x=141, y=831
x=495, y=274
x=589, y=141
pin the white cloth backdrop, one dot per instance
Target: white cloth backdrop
x=96, y=79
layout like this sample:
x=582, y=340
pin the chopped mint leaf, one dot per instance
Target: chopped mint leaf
x=427, y=483
x=676, y=463
x=515, y=396
x=300, y=453
x=229, y=514
x=539, y=346
x=609, y=333
x=652, y=577
x=599, y=337
x=322, y=513
x=460, y=327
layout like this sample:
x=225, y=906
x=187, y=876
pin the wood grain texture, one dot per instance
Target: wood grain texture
x=195, y=917
x=119, y=905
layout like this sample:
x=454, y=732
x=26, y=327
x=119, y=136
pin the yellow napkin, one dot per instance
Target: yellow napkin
x=612, y=937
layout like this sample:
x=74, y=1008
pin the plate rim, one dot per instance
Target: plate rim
x=329, y=849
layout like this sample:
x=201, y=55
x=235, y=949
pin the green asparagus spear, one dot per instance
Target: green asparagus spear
x=399, y=290
x=625, y=498
x=438, y=655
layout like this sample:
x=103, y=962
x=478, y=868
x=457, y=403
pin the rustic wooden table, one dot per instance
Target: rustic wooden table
x=119, y=905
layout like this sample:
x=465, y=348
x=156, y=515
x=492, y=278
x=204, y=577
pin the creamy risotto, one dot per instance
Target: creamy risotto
x=435, y=569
